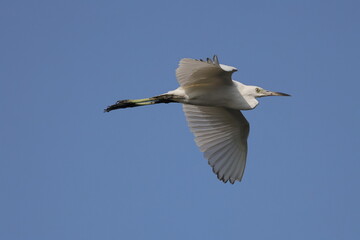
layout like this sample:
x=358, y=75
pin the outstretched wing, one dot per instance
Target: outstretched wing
x=221, y=134
x=193, y=72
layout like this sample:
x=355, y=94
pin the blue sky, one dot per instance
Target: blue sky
x=70, y=171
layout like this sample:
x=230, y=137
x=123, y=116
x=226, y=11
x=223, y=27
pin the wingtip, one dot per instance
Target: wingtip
x=216, y=59
x=222, y=178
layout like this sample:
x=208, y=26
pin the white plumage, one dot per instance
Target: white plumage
x=221, y=134
x=212, y=102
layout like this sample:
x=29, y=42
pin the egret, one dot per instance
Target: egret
x=212, y=102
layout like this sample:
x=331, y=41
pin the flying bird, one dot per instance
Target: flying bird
x=212, y=102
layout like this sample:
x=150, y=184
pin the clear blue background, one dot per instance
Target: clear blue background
x=70, y=171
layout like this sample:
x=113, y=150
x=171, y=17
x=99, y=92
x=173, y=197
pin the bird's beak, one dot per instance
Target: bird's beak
x=269, y=93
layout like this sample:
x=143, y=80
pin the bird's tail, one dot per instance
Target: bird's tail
x=164, y=98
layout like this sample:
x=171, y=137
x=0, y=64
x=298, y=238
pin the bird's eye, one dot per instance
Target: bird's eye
x=257, y=90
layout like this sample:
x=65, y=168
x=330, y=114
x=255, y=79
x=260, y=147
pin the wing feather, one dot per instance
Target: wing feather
x=193, y=72
x=221, y=134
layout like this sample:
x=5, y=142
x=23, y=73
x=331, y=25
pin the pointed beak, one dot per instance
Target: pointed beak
x=269, y=93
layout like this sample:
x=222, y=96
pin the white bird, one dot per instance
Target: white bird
x=211, y=102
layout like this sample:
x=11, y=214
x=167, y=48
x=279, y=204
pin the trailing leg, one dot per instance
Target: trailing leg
x=165, y=98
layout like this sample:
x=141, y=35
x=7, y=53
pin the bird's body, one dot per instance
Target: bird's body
x=228, y=96
x=211, y=102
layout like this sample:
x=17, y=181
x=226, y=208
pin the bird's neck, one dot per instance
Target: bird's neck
x=245, y=91
x=252, y=102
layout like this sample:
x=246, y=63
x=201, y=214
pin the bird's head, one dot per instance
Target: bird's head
x=260, y=92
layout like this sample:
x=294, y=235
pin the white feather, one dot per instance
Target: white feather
x=222, y=135
x=192, y=72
